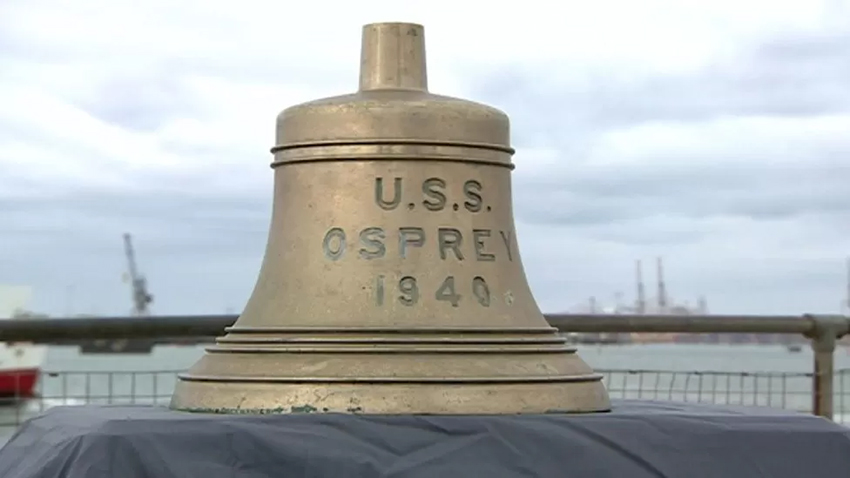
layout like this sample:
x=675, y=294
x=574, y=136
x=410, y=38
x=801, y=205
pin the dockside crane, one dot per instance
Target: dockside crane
x=847, y=299
x=138, y=283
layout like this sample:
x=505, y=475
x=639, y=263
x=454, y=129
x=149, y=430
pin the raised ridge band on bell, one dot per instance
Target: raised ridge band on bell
x=392, y=141
x=398, y=151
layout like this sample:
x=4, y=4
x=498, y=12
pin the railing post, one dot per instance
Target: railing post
x=825, y=333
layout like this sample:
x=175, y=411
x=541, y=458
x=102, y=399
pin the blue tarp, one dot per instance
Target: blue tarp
x=637, y=439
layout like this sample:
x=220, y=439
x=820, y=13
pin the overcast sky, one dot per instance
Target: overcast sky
x=713, y=133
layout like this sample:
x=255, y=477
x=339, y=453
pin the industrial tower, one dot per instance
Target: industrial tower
x=847, y=298
x=138, y=283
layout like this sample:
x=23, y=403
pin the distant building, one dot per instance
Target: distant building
x=659, y=304
x=14, y=299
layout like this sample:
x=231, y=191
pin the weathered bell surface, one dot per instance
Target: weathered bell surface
x=392, y=282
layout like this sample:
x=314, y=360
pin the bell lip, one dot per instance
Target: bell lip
x=505, y=339
x=388, y=399
x=581, y=378
x=403, y=349
x=391, y=330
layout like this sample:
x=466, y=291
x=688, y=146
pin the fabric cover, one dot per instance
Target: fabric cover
x=638, y=439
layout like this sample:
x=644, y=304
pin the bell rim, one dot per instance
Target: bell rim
x=576, y=378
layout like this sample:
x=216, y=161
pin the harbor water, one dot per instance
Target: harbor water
x=763, y=375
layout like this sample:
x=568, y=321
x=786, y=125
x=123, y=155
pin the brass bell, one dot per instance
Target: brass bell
x=392, y=282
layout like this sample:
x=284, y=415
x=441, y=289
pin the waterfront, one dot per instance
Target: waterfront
x=766, y=375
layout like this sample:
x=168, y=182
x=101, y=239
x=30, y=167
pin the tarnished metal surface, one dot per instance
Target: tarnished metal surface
x=392, y=281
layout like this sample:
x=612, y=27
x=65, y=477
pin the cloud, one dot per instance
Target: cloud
x=708, y=133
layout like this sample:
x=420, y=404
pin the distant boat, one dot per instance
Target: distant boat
x=20, y=369
x=117, y=346
x=794, y=348
x=20, y=362
x=112, y=346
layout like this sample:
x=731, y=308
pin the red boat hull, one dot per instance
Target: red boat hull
x=19, y=383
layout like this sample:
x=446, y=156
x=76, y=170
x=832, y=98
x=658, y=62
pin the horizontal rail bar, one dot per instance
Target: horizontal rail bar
x=59, y=330
x=682, y=323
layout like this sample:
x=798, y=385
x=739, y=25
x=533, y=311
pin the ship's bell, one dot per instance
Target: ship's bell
x=392, y=281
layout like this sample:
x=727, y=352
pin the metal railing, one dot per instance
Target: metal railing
x=819, y=388
x=785, y=390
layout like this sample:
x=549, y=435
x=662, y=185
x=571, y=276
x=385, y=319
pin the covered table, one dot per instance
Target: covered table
x=638, y=439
